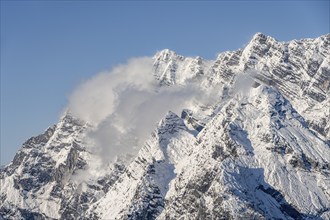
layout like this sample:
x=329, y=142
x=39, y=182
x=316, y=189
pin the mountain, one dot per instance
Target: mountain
x=259, y=150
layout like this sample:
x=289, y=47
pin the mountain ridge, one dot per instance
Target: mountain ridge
x=259, y=149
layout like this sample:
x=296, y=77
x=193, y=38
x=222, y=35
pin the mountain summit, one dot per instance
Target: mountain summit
x=257, y=148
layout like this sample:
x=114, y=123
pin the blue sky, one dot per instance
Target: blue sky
x=49, y=47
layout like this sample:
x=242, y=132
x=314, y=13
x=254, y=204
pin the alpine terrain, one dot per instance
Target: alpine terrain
x=260, y=149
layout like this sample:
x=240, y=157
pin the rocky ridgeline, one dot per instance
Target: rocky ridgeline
x=258, y=153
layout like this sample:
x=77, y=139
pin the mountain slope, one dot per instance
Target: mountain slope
x=258, y=161
x=259, y=148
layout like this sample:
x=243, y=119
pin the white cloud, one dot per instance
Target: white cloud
x=125, y=105
x=243, y=83
x=97, y=98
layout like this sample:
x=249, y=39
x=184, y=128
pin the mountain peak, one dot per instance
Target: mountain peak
x=170, y=120
x=259, y=35
x=67, y=117
x=261, y=38
x=165, y=55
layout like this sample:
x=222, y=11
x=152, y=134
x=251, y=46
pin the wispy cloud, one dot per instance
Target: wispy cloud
x=125, y=105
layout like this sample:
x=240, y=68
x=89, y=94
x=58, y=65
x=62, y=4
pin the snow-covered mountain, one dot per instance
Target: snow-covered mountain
x=259, y=150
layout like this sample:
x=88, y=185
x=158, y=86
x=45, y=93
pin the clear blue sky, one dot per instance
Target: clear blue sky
x=49, y=47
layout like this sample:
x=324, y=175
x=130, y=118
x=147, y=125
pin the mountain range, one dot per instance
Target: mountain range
x=259, y=148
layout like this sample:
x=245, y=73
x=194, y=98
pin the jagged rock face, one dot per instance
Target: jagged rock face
x=237, y=150
x=38, y=179
x=149, y=174
x=299, y=69
x=171, y=69
x=261, y=153
x=39, y=170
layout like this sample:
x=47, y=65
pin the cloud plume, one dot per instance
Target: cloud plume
x=98, y=97
x=125, y=104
